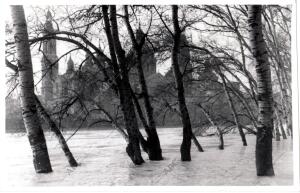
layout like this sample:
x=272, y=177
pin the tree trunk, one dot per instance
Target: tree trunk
x=264, y=163
x=240, y=96
x=197, y=144
x=284, y=98
x=154, y=149
x=277, y=133
x=152, y=145
x=219, y=132
x=280, y=124
x=185, y=148
x=62, y=142
x=121, y=77
x=232, y=107
x=133, y=148
x=32, y=124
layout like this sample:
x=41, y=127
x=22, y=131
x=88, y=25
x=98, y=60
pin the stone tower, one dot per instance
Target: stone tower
x=49, y=62
x=70, y=66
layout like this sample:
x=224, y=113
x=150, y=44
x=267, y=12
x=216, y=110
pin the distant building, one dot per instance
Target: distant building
x=54, y=85
x=49, y=62
x=199, y=83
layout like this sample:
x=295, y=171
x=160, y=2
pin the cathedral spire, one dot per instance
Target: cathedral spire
x=48, y=15
x=48, y=25
x=49, y=61
x=139, y=34
x=70, y=64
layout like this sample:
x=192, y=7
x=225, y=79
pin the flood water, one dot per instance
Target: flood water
x=103, y=161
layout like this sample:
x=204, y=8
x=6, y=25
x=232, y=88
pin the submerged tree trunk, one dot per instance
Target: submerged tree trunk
x=196, y=142
x=153, y=149
x=185, y=148
x=32, y=124
x=118, y=62
x=62, y=142
x=264, y=163
x=219, y=132
x=133, y=148
x=232, y=107
x=150, y=146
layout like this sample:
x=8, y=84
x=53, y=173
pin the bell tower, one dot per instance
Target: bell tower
x=49, y=61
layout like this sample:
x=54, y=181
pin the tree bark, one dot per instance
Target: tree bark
x=263, y=154
x=185, y=148
x=32, y=124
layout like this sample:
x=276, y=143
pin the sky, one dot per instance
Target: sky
x=37, y=15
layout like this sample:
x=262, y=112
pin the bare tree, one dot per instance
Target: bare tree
x=124, y=89
x=53, y=127
x=185, y=148
x=153, y=143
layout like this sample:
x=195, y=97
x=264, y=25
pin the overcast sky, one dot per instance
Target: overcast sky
x=37, y=15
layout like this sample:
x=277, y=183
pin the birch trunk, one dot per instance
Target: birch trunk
x=264, y=162
x=32, y=124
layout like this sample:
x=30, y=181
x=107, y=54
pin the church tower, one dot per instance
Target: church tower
x=49, y=62
x=70, y=66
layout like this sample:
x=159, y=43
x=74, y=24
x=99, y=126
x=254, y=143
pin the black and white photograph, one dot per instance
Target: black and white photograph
x=166, y=96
